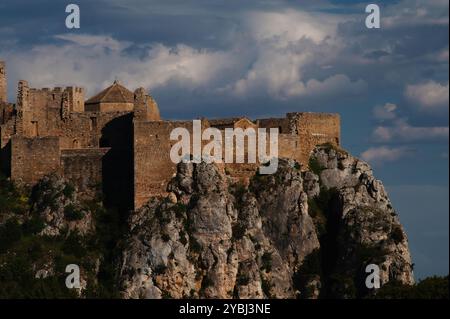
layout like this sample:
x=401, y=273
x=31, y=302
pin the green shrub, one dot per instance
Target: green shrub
x=71, y=213
x=369, y=254
x=73, y=245
x=12, y=199
x=429, y=288
x=206, y=282
x=17, y=281
x=266, y=287
x=343, y=286
x=397, y=234
x=238, y=190
x=331, y=146
x=69, y=190
x=179, y=209
x=160, y=269
x=165, y=237
x=163, y=216
x=33, y=226
x=238, y=230
x=195, y=245
x=183, y=239
x=266, y=260
x=311, y=264
x=319, y=208
x=315, y=166
x=313, y=208
x=310, y=268
x=35, y=250
x=434, y=287
x=10, y=233
x=325, y=197
x=243, y=279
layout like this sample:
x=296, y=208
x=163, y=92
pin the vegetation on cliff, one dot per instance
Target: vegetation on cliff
x=33, y=262
x=294, y=234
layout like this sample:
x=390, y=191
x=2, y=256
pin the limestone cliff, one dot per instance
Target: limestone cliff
x=296, y=233
x=299, y=233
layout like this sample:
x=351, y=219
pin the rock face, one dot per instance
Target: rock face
x=296, y=233
x=219, y=240
x=365, y=228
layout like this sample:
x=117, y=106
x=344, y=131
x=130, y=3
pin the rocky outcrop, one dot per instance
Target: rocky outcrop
x=299, y=233
x=295, y=233
x=220, y=240
x=365, y=228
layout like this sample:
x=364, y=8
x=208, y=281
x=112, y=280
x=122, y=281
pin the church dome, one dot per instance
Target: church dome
x=114, y=98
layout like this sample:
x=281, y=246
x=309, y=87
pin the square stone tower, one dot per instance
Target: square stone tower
x=3, y=88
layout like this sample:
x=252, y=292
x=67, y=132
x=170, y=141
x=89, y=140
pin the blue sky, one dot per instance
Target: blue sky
x=265, y=58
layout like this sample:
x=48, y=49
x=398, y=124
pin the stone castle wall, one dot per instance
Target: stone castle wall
x=153, y=167
x=33, y=158
x=152, y=164
x=109, y=107
x=83, y=167
x=3, y=84
x=314, y=129
x=124, y=146
x=50, y=131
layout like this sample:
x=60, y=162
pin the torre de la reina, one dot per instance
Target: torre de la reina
x=117, y=140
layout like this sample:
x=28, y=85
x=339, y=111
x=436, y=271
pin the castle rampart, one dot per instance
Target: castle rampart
x=3, y=84
x=33, y=158
x=117, y=139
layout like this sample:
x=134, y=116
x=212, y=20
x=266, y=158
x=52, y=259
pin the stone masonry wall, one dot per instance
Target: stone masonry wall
x=83, y=167
x=32, y=158
x=3, y=84
x=153, y=167
x=51, y=130
x=313, y=129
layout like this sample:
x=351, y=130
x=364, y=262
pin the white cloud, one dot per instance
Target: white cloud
x=290, y=26
x=385, y=112
x=429, y=97
x=94, y=62
x=418, y=12
x=96, y=41
x=269, y=57
x=442, y=55
x=286, y=44
x=377, y=155
x=402, y=131
x=399, y=130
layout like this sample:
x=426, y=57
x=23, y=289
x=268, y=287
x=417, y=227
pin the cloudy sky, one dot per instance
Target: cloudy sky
x=265, y=58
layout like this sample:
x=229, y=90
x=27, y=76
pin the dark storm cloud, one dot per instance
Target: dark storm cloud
x=410, y=49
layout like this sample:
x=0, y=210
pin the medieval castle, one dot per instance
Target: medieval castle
x=118, y=140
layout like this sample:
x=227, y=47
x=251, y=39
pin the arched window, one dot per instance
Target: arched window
x=34, y=129
x=76, y=143
x=93, y=124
